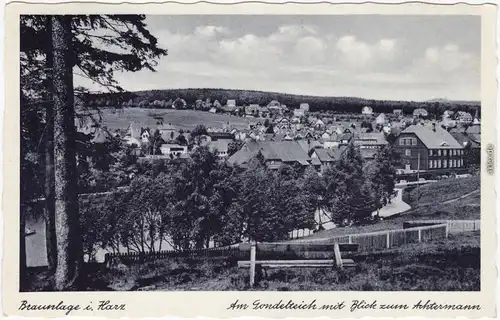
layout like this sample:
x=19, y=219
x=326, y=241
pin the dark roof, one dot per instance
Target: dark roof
x=286, y=151
x=433, y=139
x=325, y=155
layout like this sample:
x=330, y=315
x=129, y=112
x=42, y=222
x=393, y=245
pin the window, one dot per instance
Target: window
x=439, y=152
x=430, y=152
x=401, y=142
x=450, y=163
x=445, y=163
x=408, y=152
x=438, y=163
x=461, y=162
x=435, y=163
x=414, y=141
x=430, y=163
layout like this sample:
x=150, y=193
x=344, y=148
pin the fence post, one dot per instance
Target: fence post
x=420, y=234
x=388, y=239
x=447, y=229
x=350, y=238
x=252, y=263
x=338, y=256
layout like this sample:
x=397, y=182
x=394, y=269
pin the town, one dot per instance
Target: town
x=435, y=147
x=212, y=169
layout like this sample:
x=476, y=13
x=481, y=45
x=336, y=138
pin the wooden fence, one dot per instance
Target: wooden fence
x=454, y=226
x=209, y=253
x=388, y=238
x=412, y=232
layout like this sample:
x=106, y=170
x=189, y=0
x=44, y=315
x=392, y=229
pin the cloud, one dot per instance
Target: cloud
x=210, y=31
x=449, y=58
x=302, y=59
x=358, y=54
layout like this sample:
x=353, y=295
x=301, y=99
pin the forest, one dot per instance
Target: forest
x=152, y=99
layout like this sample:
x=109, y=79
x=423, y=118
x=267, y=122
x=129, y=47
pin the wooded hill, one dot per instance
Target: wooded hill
x=292, y=101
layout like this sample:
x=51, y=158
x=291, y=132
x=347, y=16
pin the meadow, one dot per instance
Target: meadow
x=120, y=119
x=437, y=201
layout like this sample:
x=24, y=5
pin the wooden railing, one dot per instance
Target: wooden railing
x=412, y=232
x=454, y=226
x=387, y=238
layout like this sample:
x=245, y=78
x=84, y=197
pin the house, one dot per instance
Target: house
x=228, y=136
x=463, y=117
x=345, y=138
x=230, y=103
x=227, y=109
x=264, y=112
x=322, y=158
x=168, y=132
x=304, y=106
x=297, y=113
x=275, y=107
x=145, y=135
x=397, y=112
x=371, y=140
x=220, y=147
x=429, y=148
x=367, y=111
x=252, y=110
x=173, y=149
x=448, y=114
x=420, y=113
x=380, y=120
x=295, y=120
x=319, y=125
x=133, y=135
x=309, y=144
x=275, y=153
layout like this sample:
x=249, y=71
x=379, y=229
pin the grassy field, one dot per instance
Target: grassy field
x=182, y=119
x=441, y=191
x=444, y=265
x=426, y=208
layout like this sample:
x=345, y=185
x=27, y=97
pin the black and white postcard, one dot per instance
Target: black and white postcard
x=249, y=160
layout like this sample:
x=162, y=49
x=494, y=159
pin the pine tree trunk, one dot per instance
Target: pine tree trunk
x=49, y=211
x=68, y=237
x=22, y=251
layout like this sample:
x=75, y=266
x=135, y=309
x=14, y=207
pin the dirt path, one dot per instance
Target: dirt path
x=396, y=206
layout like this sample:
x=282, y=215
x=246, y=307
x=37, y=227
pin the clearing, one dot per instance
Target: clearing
x=182, y=119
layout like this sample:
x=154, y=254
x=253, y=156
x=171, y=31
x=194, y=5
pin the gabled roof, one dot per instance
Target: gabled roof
x=325, y=155
x=374, y=138
x=308, y=145
x=286, y=151
x=438, y=139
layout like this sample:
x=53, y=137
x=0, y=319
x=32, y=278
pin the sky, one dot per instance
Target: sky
x=369, y=56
